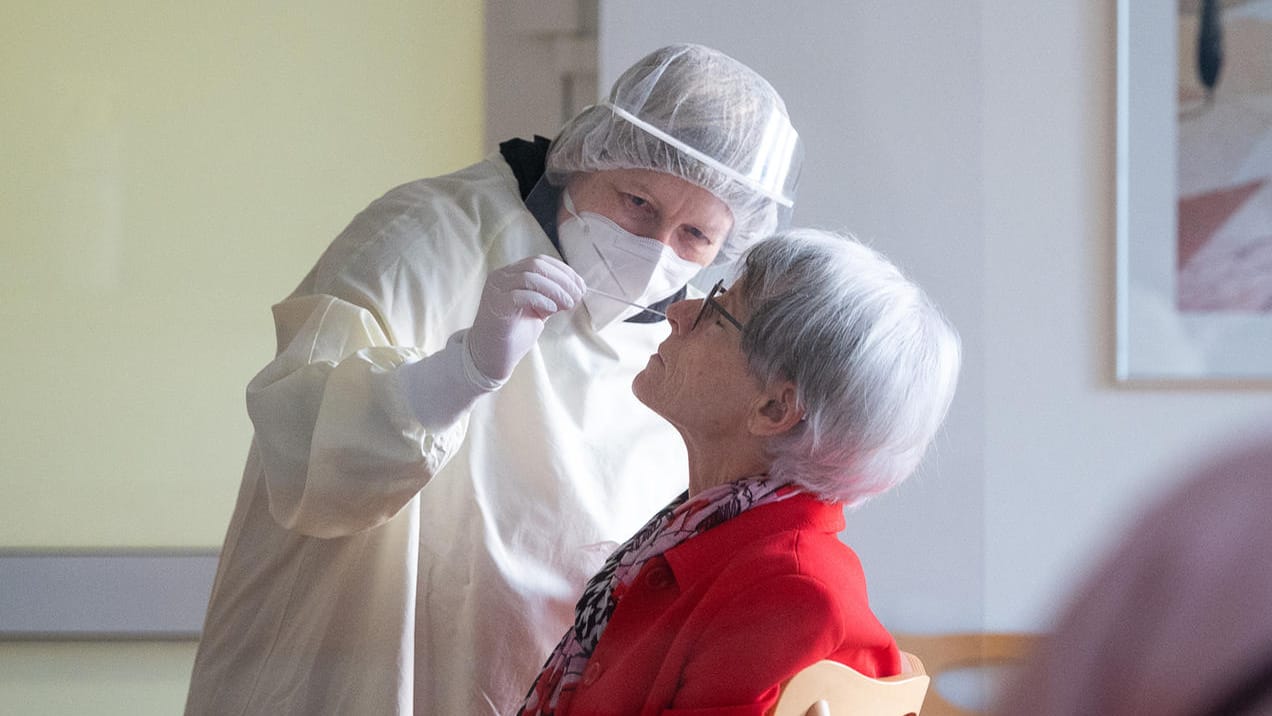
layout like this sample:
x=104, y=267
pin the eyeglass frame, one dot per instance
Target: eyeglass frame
x=710, y=303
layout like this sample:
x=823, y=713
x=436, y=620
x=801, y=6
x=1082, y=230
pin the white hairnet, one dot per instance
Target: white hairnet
x=698, y=114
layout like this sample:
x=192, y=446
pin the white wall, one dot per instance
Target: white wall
x=540, y=66
x=1070, y=456
x=973, y=143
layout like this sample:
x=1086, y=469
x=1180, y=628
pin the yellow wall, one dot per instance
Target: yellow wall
x=168, y=170
x=102, y=678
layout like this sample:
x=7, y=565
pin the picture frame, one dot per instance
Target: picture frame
x=1173, y=324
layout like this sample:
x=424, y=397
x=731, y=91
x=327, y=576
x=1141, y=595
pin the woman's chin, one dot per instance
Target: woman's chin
x=642, y=383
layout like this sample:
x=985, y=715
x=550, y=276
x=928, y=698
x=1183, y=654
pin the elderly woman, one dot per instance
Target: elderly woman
x=814, y=383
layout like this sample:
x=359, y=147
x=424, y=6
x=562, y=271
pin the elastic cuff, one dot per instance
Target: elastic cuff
x=441, y=387
x=471, y=371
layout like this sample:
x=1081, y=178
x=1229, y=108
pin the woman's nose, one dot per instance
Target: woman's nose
x=682, y=313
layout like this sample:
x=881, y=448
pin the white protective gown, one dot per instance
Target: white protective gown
x=372, y=567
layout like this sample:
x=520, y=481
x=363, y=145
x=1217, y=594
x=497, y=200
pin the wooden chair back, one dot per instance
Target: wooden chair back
x=829, y=688
x=946, y=653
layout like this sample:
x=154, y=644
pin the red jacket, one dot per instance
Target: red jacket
x=716, y=625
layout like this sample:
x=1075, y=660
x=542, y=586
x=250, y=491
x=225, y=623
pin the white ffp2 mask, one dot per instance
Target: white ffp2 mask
x=615, y=261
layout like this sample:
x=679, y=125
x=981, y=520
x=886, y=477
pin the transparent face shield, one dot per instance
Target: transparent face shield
x=695, y=113
x=711, y=122
x=770, y=168
x=750, y=162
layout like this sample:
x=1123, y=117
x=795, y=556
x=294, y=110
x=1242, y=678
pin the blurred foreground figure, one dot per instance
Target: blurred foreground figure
x=1178, y=620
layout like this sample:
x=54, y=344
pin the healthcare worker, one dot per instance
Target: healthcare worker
x=446, y=446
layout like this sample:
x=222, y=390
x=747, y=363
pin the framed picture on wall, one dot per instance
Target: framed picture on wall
x=1194, y=180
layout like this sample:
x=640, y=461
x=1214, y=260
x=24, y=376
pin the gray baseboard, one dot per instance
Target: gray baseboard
x=142, y=594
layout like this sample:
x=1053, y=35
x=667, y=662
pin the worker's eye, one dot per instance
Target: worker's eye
x=698, y=236
x=635, y=201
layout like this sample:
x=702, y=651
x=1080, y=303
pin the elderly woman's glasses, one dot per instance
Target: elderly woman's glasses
x=709, y=304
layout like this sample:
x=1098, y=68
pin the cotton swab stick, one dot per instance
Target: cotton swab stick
x=613, y=298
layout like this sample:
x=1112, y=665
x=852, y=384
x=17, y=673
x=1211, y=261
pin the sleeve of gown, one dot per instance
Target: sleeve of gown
x=341, y=449
x=762, y=638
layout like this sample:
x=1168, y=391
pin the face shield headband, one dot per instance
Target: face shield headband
x=769, y=173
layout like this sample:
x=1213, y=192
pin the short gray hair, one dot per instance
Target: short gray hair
x=873, y=361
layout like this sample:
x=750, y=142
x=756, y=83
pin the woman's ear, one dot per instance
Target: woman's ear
x=775, y=411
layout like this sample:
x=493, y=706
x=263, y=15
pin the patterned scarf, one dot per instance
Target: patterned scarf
x=675, y=523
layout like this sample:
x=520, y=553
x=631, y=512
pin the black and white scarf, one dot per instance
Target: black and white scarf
x=675, y=523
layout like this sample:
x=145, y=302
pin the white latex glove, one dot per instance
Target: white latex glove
x=516, y=301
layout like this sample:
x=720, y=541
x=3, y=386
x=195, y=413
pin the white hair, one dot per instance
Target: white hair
x=873, y=361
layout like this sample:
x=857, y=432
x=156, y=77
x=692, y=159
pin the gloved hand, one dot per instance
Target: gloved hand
x=516, y=301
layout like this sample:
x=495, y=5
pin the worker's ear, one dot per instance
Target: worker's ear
x=775, y=410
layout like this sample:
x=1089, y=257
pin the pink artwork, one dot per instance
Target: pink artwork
x=1194, y=187
x=1224, y=238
